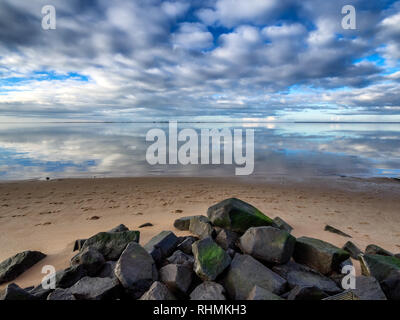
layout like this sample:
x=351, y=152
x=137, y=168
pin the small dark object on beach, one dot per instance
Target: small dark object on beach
x=337, y=231
x=94, y=218
x=148, y=224
x=47, y=178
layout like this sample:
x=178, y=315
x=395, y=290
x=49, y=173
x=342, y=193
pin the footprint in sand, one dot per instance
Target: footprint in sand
x=94, y=218
x=178, y=211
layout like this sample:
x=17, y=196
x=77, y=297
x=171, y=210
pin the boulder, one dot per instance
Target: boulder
x=40, y=293
x=90, y=258
x=14, y=292
x=210, y=260
x=391, y=286
x=377, y=266
x=245, y=272
x=61, y=294
x=208, y=290
x=268, y=244
x=374, y=249
x=95, y=288
x=176, y=277
x=237, y=215
x=136, y=270
x=337, y=231
x=178, y=257
x=68, y=277
x=162, y=245
x=79, y=244
x=12, y=267
x=112, y=244
x=227, y=239
x=120, y=228
x=307, y=293
x=368, y=288
x=282, y=224
x=183, y=223
x=319, y=255
x=107, y=270
x=259, y=293
x=351, y=248
x=186, y=245
x=201, y=227
x=158, y=291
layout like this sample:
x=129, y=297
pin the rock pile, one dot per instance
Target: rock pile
x=235, y=253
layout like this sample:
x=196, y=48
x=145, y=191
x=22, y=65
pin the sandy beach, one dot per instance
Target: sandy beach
x=50, y=215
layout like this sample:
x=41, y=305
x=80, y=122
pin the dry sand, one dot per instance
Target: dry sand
x=49, y=215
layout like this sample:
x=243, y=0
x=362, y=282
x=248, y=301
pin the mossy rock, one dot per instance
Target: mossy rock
x=237, y=215
x=378, y=266
x=210, y=259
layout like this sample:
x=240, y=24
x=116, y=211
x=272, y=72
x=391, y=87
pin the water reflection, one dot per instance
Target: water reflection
x=30, y=151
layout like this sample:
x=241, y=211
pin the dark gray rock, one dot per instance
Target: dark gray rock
x=14, y=292
x=186, y=245
x=351, y=248
x=12, y=267
x=374, y=249
x=391, y=286
x=245, y=272
x=210, y=260
x=336, y=231
x=201, y=227
x=120, y=228
x=397, y=255
x=162, y=245
x=208, y=290
x=95, y=288
x=176, y=277
x=379, y=267
x=68, y=277
x=259, y=293
x=111, y=244
x=107, y=270
x=89, y=258
x=183, y=223
x=40, y=293
x=237, y=215
x=178, y=257
x=136, y=270
x=158, y=291
x=283, y=225
x=268, y=244
x=347, y=262
x=368, y=288
x=79, y=244
x=307, y=293
x=227, y=239
x=319, y=255
x=61, y=294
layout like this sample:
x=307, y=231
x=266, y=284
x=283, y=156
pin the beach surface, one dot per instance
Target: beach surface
x=49, y=216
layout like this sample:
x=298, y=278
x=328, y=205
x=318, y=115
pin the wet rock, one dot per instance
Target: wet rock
x=210, y=259
x=162, y=245
x=120, y=228
x=68, y=277
x=186, y=245
x=307, y=293
x=336, y=231
x=391, y=286
x=176, y=277
x=61, y=294
x=227, y=239
x=282, y=224
x=245, y=272
x=201, y=227
x=178, y=257
x=136, y=270
x=158, y=291
x=208, y=290
x=347, y=262
x=107, y=270
x=379, y=267
x=12, y=267
x=259, y=293
x=95, y=288
x=40, y=293
x=374, y=249
x=268, y=244
x=89, y=258
x=351, y=248
x=368, y=288
x=79, y=244
x=237, y=215
x=183, y=223
x=111, y=244
x=319, y=255
x=14, y=292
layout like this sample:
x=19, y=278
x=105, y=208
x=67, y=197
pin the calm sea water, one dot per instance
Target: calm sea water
x=29, y=151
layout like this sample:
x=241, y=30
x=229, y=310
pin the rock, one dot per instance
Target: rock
x=337, y=231
x=368, y=288
x=259, y=293
x=377, y=266
x=120, y=228
x=183, y=223
x=176, y=277
x=178, y=257
x=210, y=260
x=391, y=286
x=14, y=292
x=227, y=239
x=68, y=277
x=186, y=245
x=12, y=267
x=397, y=255
x=162, y=245
x=245, y=272
x=144, y=225
x=283, y=225
x=112, y=244
x=107, y=270
x=231, y=252
x=95, y=288
x=208, y=290
x=158, y=291
x=90, y=258
x=79, y=244
x=268, y=244
x=347, y=262
x=319, y=255
x=306, y=293
x=61, y=294
x=345, y=295
x=237, y=215
x=136, y=270
x=374, y=249
x=351, y=248
x=201, y=227
x=40, y=293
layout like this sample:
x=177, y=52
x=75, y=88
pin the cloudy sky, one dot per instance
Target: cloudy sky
x=204, y=60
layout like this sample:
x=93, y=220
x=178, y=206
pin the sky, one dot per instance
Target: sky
x=199, y=60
